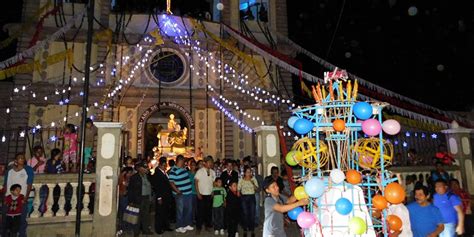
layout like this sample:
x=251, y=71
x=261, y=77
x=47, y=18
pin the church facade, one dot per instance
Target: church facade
x=176, y=81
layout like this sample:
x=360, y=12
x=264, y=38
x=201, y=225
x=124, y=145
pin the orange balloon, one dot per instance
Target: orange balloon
x=353, y=177
x=379, y=202
x=394, y=222
x=394, y=193
x=339, y=125
x=376, y=213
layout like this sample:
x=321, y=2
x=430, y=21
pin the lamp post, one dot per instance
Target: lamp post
x=85, y=98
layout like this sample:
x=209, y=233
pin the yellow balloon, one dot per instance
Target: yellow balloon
x=300, y=193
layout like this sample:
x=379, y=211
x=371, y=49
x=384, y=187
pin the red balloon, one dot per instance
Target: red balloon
x=379, y=202
x=394, y=193
x=394, y=222
x=339, y=125
x=353, y=177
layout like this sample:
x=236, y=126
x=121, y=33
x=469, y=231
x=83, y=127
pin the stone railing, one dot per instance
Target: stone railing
x=55, y=198
x=405, y=171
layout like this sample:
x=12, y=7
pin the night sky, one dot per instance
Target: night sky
x=420, y=49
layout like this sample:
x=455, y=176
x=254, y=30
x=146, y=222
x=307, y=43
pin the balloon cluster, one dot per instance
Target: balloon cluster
x=370, y=126
x=394, y=194
x=315, y=188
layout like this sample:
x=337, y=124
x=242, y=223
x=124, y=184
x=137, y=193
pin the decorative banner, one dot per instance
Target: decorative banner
x=415, y=123
x=39, y=26
x=244, y=56
x=31, y=51
x=279, y=59
x=36, y=65
x=25, y=26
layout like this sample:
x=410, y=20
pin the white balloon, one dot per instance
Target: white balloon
x=220, y=6
x=337, y=176
x=391, y=127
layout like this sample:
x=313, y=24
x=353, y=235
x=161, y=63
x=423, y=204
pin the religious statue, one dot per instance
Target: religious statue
x=172, y=124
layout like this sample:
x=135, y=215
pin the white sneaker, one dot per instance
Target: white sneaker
x=181, y=230
x=222, y=232
x=216, y=232
x=188, y=227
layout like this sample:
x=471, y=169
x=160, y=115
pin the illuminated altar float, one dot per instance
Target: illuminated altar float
x=343, y=157
x=171, y=141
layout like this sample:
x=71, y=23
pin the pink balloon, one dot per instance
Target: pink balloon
x=305, y=219
x=371, y=127
x=391, y=126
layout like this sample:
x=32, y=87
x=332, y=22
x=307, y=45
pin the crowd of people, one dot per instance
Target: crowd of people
x=224, y=195
x=202, y=195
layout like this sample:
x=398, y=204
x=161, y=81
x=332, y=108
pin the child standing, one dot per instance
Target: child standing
x=14, y=203
x=91, y=133
x=232, y=209
x=70, y=148
x=219, y=194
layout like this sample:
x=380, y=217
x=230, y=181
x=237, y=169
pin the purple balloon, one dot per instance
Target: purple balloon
x=371, y=127
x=391, y=126
x=305, y=219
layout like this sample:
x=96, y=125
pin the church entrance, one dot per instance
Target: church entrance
x=166, y=129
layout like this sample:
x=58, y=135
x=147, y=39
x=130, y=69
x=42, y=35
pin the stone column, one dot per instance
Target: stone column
x=74, y=205
x=268, y=148
x=459, y=145
x=37, y=202
x=107, y=171
x=86, y=200
x=62, y=200
x=49, y=201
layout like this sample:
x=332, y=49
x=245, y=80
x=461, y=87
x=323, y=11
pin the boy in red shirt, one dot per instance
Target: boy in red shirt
x=14, y=203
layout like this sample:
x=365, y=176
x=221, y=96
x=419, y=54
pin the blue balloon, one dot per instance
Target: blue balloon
x=314, y=187
x=343, y=206
x=362, y=110
x=293, y=213
x=291, y=121
x=302, y=126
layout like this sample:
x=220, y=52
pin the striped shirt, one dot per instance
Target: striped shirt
x=180, y=178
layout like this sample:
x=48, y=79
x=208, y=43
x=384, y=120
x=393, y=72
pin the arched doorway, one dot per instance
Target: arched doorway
x=167, y=125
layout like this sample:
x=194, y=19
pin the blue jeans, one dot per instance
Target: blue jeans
x=194, y=204
x=449, y=230
x=184, y=210
x=248, y=211
x=23, y=223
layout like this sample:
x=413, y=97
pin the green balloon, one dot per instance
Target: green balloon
x=292, y=157
x=357, y=225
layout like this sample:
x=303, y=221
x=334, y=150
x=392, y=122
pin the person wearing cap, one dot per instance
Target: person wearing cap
x=275, y=207
x=139, y=195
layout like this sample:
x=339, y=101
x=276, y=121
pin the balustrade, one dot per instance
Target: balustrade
x=54, y=196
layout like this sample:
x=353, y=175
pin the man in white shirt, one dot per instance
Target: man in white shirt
x=204, y=182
